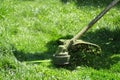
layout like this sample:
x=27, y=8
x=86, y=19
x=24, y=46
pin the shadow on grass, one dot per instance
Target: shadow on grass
x=94, y=3
x=107, y=39
x=21, y=56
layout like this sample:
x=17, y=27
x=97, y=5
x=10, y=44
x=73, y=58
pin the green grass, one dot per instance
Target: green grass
x=29, y=30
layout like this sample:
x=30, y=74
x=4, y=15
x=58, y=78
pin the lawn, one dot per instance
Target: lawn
x=29, y=34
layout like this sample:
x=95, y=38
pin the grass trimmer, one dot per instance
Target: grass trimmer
x=62, y=56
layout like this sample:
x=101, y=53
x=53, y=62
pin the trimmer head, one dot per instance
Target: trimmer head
x=62, y=57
